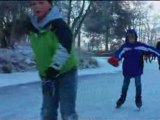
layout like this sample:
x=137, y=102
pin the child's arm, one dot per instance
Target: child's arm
x=147, y=48
x=64, y=35
x=119, y=53
x=63, y=52
x=114, y=59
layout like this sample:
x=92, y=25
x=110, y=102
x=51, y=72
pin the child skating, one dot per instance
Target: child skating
x=52, y=44
x=132, y=53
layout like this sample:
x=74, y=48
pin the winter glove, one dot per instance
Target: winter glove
x=51, y=73
x=113, y=61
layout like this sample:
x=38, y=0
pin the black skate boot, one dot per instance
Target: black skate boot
x=120, y=101
x=138, y=101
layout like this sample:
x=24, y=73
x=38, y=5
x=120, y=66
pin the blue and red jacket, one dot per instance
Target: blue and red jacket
x=132, y=53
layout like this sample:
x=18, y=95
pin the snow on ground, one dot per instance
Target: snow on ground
x=18, y=78
x=27, y=77
x=97, y=94
x=100, y=93
x=104, y=67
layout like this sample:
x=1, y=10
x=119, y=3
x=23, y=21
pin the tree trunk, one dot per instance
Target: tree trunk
x=81, y=21
x=69, y=12
x=3, y=42
x=79, y=40
x=107, y=41
x=75, y=22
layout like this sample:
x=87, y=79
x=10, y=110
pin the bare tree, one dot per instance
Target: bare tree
x=10, y=11
x=77, y=12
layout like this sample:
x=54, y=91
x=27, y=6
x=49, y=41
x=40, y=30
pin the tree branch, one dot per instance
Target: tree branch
x=79, y=16
x=81, y=21
x=69, y=12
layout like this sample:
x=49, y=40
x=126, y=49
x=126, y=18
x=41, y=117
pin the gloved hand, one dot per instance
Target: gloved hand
x=113, y=61
x=51, y=73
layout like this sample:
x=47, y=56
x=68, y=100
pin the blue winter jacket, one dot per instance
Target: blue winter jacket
x=133, y=56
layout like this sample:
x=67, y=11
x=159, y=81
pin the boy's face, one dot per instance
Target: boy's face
x=40, y=8
x=131, y=38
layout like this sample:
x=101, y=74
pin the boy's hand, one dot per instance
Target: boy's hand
x=51, y=73
x=113, y=61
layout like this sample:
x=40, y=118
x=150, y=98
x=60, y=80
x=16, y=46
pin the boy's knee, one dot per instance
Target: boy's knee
x=126, y=83
x=68, y=110
x=48, y=115
x=138, y=82
x=70, y=117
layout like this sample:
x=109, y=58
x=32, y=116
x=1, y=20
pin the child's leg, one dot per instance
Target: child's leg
x=68, y=91
x=50, y=100
x=125, y=86
x=159, y=62
x=138, y=99
x=138, y=85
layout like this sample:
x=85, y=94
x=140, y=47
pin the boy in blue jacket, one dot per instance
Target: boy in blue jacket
x=132, y=51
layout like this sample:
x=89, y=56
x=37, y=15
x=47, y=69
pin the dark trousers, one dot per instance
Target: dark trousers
x=63, y=97
x=138, y=86
x=159, y=61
